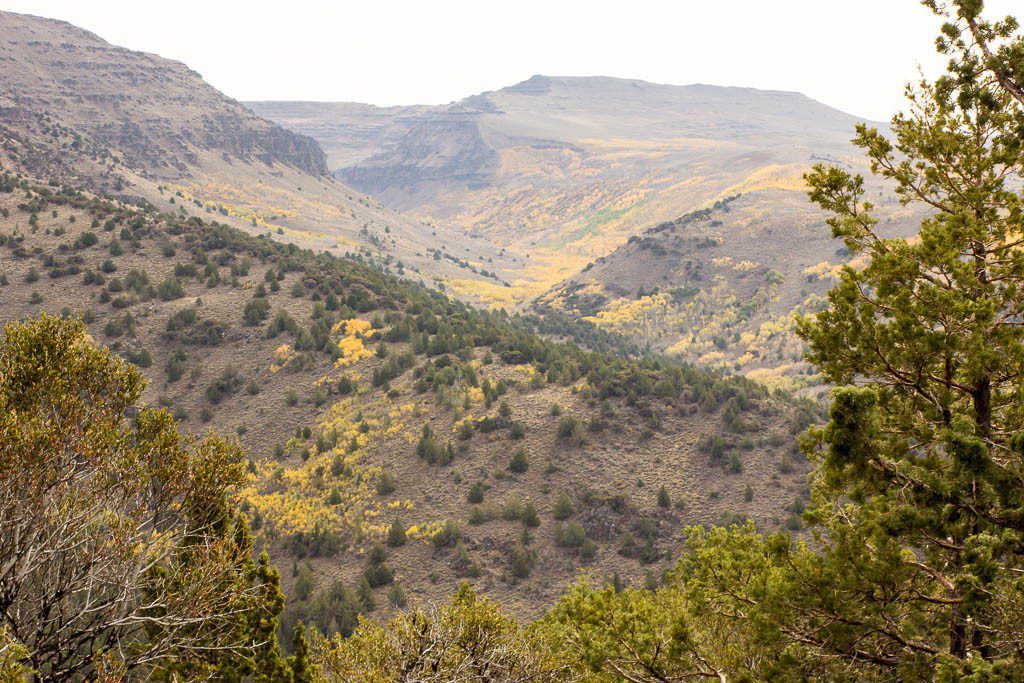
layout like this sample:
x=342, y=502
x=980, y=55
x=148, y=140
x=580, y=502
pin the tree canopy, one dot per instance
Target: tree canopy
x=120, y=555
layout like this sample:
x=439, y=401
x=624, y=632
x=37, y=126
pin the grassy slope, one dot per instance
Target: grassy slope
x=645, y=425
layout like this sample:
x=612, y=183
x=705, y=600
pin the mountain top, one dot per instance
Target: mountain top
x=155, y=113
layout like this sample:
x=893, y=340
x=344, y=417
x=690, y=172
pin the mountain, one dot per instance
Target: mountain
x=368, y=404
x=145, y=128
x=601, y=189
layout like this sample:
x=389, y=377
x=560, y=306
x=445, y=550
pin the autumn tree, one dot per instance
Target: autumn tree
x=120, y=556
x=467, y=641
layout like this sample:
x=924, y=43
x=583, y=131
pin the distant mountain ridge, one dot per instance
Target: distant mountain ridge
x=381, y=148
x=143, y=128
x=103, y=91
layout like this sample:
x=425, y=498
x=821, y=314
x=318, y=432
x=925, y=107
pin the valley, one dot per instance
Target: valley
x=577, y=179
x=541, y=460
x=578, y=380
x=266, y=298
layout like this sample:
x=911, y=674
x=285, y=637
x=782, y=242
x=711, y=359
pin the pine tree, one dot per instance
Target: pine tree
x=917, y=484
x=268, y=664
x=301, y=669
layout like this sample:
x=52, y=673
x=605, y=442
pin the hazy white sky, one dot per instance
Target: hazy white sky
x=852, y=54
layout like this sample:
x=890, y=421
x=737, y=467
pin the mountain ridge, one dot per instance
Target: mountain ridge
x=135, y=125
x=103, y=97
x=560, y=171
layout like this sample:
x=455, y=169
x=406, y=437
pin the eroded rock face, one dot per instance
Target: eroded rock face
x=156, y=115
x=447, y=149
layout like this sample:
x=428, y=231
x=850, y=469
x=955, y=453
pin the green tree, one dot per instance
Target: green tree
x=120, y=555
x=301, y=669
x=520, y=462
x=396, y=534
x=917, y=481
x=469, y=639
x=266, y=663
x=615, y=634
x=564, y=508
x=305, y=584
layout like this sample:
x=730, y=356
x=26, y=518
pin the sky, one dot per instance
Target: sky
x=855, y=55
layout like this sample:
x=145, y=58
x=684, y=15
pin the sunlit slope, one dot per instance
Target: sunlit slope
x=560, y=171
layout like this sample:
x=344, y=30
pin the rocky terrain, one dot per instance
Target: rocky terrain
x=144, y=128
x=119, y=99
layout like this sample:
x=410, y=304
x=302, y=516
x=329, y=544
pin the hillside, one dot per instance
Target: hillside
x=560, y=171
x=672, y=217
x=718, y=287
x=144, y=128
x=540, y=459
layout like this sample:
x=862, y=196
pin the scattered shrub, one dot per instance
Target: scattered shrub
x=570, y=535
x=563, y=507
x=396, y=534
x=476, y=493
x=664, y=500
x=385, y=483
x=519, y=462
x=448, y=535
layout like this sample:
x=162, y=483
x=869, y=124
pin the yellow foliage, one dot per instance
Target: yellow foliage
x=352, y=332
x=296, y=498
x=821, y=271
x=494, y=294
x=779, y=177
x=283, y=355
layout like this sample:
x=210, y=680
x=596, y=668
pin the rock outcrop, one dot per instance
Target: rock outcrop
x=67, y=90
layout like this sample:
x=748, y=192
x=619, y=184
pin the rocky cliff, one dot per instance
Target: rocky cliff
x=67, y=90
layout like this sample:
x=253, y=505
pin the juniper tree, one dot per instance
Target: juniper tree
x=120, y=556
x=919, y=479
